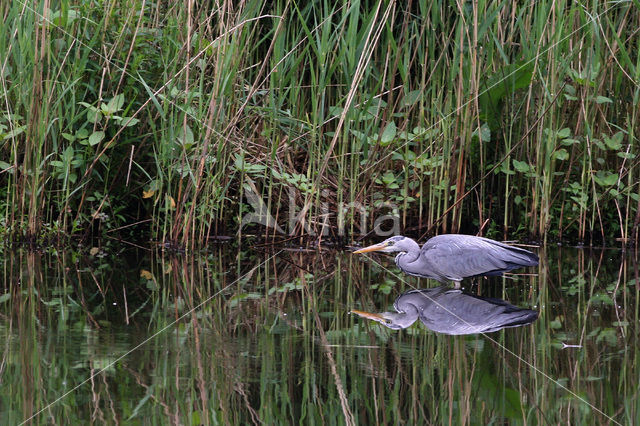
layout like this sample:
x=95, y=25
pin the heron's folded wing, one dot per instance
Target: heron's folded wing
x=459, y=256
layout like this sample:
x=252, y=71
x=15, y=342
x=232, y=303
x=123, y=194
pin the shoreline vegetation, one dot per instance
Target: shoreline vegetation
x=181, y=122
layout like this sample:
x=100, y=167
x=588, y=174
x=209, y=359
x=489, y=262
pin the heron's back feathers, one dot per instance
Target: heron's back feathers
x=452, y=257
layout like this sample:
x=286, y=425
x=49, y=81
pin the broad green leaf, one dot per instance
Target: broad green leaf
x=68, y=137
x=93, y=115
x=129, y=121
x=359, y=135
x=521, y=166
x=609, y=336
x=185, y=136
x=615, y=142
x=569, y=142
x=599, y=144
x=503, y=83
x=82, y=133
x=335, y=111
x=15, y=132
x=570, y=89
x=96, y=138
x=603, y=100
x=626, y=155
x=561, y=154
x=388, y=178
x=114, y=105
x=605, y=178
x=388, y=134
x=483, y=133
x=411, y=98
x=68, y=154
x=564, y=133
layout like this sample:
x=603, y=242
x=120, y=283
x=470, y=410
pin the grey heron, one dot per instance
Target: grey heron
x=450, y=311
x=453, y=257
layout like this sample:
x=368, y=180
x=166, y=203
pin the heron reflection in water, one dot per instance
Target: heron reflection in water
x=452, y=311
x=453, y=257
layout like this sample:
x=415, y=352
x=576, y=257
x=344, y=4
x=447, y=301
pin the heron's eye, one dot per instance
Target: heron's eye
x=387, y=321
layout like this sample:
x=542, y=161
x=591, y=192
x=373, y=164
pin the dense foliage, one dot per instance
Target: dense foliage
x=505, y=118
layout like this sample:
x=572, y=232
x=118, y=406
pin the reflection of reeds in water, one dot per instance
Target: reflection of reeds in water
x=277, y=345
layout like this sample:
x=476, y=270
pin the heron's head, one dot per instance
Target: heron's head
x=392, y=320
x=390, y=245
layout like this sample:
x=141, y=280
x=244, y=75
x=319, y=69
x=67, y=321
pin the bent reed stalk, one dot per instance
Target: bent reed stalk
x=194, y=116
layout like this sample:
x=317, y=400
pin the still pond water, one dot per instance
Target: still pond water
x=266, y=338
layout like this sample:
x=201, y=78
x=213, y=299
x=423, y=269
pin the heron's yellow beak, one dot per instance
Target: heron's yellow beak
x=375, y=247
x=368, y=315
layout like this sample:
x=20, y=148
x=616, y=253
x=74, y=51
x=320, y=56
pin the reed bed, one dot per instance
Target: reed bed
x=173, y=121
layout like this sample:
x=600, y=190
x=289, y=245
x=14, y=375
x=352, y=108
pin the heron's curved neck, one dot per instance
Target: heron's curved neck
x=408, y=315
x=411, y=254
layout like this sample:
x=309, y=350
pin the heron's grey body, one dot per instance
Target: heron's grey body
x=450, y=311
x=453, y=257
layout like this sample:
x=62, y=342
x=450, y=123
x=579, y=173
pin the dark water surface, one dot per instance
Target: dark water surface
x=267, y=338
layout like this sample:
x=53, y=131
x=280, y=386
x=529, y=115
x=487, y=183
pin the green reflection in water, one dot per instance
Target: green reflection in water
x=277, y=345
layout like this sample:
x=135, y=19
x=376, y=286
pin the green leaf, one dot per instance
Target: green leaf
x=129, y=121
x=626, y=155
x=68, y=137
x=411, y=98
x=603, y=100
x=335, y=111
x=359, y=135
x=68, y=154
x=96, y=138
x=501, y=84
x=521, y=166
x=564, y=133
x=388, y=134
x=570, y=90
x=599, y=144
x=484, y=133
x=114, y=105
x=561, y=154
x=94, y=115
x=555, y=324
x=609, y=336
x=615, y=142
x=569, y=142
x=388, y=178
x=504, y=168
x=15, y=132
x=605, y=178
x=185, y=136
x=82, y=133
